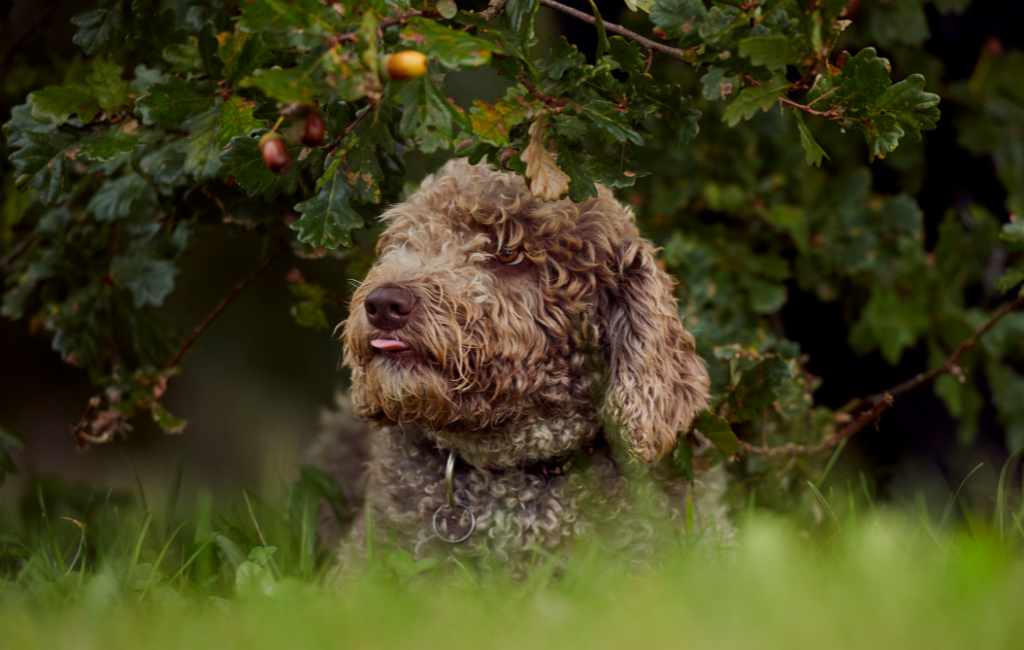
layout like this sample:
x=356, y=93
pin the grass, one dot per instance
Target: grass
x=869, y=576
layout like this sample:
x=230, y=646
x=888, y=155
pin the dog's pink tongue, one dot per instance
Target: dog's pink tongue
x=389, y=344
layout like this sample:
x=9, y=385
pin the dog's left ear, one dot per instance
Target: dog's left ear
x=657, y=383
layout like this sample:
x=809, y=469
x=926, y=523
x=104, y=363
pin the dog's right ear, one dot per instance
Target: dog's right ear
x=657, y=383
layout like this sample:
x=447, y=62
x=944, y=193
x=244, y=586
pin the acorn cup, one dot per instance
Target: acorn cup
x=404, y=65
x=313, y=133
x=275, y=153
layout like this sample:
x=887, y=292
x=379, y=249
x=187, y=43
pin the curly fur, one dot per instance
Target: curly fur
x=516, y=364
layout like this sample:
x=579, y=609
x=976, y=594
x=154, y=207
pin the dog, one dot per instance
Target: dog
x=527, y=373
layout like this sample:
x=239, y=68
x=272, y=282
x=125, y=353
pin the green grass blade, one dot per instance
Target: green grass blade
x=1008, y=467
x=174, y=493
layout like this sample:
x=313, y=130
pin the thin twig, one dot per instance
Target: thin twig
x=793, y=449
x=617, y=29
x=369, y=109
x=18, y=249
x=831, y=114
x=949, y=366
x=222, y=304
x=76, y=431
x=400, y=19
x=541, y=96
x=493, y=9
x=881, y=401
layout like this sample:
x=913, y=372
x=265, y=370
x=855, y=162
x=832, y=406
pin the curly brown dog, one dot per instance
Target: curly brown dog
x=536, y=344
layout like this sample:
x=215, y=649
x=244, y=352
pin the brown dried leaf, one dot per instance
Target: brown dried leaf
x=549, y=182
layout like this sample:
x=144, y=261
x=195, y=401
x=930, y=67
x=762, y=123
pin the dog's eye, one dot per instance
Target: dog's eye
x=510, y=256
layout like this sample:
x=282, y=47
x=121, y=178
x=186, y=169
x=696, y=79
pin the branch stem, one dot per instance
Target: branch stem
x=15, y=252
x=881, y=401
x=616, y=29
x=224, y=303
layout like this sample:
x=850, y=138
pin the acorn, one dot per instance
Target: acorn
x=404, y=65
x=313, y=134
x=275, y=153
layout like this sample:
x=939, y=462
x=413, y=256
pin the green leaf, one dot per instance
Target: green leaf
x=22, y=123
x=208, y=47
x=58, y=103
x=608, y=117
x=149, y=280
x=300, y=83
x=362, y=168
x=183, y=57
x=245, y=52
x=617, y=169
x=571, y=160
x=493, y=123
x=758, y=385
x=428, y=116
x=170, y=424
x=8, y=441
x=753, y=99
x=673, y=105
x=211, y=131
x=110, y=142
x=405, y=566
x=680, y=19
x=110, y=90
x=895, y=323
x=602, y=37
x=451, y=48
x=100, y=30
x=308, y=309
x=260, y=556
x=716, y=85
x=169, y=104
x=770, y=51
x=682, y=458
x=328, y=219
x=115, y=198
x=717, y=430
x=862, y=94
x=1013, y=235
x=813, y=153
x=1009, y=280
x=519, y=13
x=642, y=5
x=41, y=162
x=562, y=58
x=244, y=161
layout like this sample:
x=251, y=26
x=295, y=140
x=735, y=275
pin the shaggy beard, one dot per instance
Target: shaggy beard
x=400, y=393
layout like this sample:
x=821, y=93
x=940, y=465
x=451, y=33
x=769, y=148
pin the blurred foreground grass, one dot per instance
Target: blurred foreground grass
x=867, y=576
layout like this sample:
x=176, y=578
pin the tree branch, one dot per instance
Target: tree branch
x=224, y=303
x=881, y=401
x=18, y=249
x=617, y=29
x=793, y=449
x=949, y=366
x=831, y=114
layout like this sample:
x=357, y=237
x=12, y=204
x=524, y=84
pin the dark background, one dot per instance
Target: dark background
x=255, y=383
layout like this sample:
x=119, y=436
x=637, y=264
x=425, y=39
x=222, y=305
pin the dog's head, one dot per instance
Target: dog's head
x=488, y=308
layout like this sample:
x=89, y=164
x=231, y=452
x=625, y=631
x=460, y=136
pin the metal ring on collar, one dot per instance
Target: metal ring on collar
x=472, y=523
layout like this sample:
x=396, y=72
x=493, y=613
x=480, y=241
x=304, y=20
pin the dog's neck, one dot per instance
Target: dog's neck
x=519, y=443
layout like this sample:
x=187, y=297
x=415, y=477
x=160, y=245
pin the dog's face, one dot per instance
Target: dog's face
x=488, y=308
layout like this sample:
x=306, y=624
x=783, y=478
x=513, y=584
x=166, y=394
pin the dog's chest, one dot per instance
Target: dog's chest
x=516, y=512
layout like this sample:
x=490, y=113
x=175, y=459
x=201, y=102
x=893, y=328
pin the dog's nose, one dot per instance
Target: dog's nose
x=388, y=307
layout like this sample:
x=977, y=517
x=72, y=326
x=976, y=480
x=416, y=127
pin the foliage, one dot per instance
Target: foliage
x=734, y=147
